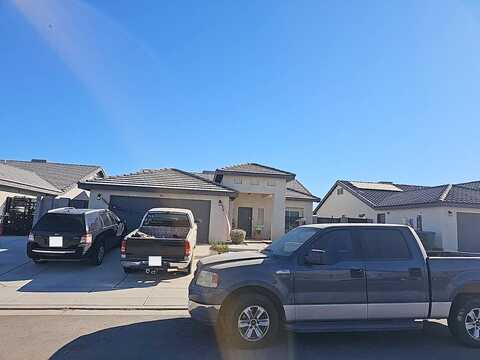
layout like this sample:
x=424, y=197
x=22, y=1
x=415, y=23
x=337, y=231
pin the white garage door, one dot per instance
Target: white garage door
x=468, y=232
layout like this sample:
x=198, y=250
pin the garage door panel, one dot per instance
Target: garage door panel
x=132, y=209
x=468, y=232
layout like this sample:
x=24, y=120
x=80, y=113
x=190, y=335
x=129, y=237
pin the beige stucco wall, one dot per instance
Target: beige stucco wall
x=437, y=219
x=219, y=228
x=345, y=205
x=254, y=201
x=276, y=187
x=307, y=207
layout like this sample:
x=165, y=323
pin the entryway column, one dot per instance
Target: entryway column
x=278, y=216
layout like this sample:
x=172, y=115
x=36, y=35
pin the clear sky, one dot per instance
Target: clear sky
x=364, y=90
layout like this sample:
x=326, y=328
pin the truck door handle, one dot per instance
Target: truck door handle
x=357, y=273
x=415, y=273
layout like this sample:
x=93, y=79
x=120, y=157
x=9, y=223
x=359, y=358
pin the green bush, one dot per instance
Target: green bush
x=238, y=236
x=220, y=248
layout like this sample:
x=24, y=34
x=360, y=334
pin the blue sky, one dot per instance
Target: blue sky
x=365, y=90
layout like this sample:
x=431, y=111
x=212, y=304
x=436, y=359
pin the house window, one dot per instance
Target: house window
x=381, y=218
x=260, y=216
x=237, y=180
x=271, y=183
x=419, y=223
x=293, y=217
x=340, y=191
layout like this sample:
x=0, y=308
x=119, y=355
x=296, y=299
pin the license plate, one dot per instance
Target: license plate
x=154, y=261
x=55, y=241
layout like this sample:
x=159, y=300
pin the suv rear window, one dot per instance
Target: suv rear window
x=166, y=219
x=73, y=223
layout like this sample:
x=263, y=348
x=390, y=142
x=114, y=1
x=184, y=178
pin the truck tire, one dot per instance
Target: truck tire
x=98, y=253
x=464, y=322
x=250, y=321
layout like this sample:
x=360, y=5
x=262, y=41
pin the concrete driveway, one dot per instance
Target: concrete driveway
x=24, y=284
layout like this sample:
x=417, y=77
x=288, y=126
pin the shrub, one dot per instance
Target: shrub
x=238, y=236
x=220, y=248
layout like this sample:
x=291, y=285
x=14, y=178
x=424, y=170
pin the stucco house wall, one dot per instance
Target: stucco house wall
x=219, y=226
x=276, y=187
x=347, y=205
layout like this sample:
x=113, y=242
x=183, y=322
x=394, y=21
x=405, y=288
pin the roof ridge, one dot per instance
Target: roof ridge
x=445, y=192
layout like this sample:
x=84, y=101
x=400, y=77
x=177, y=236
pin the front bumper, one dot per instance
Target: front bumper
x=206, y=314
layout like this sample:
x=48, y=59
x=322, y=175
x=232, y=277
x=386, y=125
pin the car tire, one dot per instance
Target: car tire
x=250, y=321
x=98, y=254
x=464, y=322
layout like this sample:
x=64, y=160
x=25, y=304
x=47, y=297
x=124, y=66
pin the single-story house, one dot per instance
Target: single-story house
x=449, y=214
x=39, y=185
x=262, y=200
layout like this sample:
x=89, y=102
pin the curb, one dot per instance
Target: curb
x=80, y=307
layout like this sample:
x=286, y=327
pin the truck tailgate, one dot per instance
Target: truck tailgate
x=144, y=247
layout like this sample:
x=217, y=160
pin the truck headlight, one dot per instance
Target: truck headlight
x=208, y=279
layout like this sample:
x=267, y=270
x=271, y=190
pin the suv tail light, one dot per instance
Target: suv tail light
x=31, y=237
x=123, y=247
x=86, y=239
x=187, y=249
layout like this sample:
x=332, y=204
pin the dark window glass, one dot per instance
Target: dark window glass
x=384, y=244
x=419, y=223
x=338, y=245
x=167, y=219
x=291, y=241
x=61, y=223
x=381, y=219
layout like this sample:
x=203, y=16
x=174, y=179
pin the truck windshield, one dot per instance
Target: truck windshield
x=291, y=241
x=166, y=219
x=71, y=223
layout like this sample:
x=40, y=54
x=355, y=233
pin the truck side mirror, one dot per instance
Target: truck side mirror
x=316, y=257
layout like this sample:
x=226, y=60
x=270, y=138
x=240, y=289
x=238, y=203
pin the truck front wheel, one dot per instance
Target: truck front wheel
x=250, y=321
x=465, y=322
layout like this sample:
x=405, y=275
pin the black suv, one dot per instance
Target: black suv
x=75, y=234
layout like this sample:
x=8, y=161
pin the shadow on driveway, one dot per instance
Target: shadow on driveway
x=17, y=270
x=183, y=339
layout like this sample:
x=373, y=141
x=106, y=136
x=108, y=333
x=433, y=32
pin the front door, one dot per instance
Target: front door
x=397, y=281
x=245, y=220
x=337, y=289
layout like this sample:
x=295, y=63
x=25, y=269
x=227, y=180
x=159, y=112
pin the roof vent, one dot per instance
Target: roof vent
x=39, y=160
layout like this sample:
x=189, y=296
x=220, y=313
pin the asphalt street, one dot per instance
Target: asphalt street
x=172, y=335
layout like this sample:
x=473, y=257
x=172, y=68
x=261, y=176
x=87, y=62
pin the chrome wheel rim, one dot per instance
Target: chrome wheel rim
x=472, y=323
x=253, y=323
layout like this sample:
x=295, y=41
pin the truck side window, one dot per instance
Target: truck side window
x=338, y=245
x=384, y=244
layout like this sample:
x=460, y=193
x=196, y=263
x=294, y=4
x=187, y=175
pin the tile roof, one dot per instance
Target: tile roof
x=27, y=180
x=62, y=176
x=296, y=190
x=168, y=179
x=257, y=169
x=465, y=194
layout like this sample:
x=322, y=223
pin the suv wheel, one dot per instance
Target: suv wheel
x=98, y=254
x=465, y=322
x=251, y=321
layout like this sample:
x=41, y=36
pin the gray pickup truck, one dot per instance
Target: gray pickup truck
x=337, y=277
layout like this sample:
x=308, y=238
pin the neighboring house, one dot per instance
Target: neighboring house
x=48, y=184
x=253, y=197
x=451, y=212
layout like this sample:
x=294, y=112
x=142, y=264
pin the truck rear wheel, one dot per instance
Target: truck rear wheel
x=250, y=321
x=465, y=322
